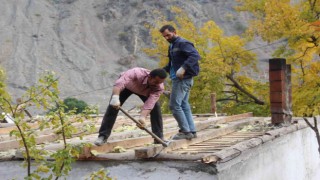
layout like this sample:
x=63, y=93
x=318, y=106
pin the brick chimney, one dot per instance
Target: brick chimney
x=280, y=91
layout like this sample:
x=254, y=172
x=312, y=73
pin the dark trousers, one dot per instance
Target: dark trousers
x=110, y=116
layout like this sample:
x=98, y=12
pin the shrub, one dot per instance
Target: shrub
x=74, y=104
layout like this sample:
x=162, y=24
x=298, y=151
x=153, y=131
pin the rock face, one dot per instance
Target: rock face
x=88, y=43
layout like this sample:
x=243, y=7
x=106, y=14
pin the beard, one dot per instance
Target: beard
x=172, y=39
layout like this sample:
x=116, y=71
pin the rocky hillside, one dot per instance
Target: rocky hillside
x=87, y=43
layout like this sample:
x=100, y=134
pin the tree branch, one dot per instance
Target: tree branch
x=237, y=85
x=229, y=84
x=225, y=99
x=315, y=129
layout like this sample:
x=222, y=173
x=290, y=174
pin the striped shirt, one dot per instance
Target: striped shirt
x=135, y=80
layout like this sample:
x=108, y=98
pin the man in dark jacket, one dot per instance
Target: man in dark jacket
x=182, y=66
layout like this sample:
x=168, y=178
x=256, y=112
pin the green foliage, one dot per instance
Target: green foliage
x=74, y=104
x=298, y=23
x=232, y=108
x=40, y=96
x=102, y=174
x=4, y=96
x=45, y=95
x=125, y=128
x=63, y=159
x=61, y=122
x=164, y=101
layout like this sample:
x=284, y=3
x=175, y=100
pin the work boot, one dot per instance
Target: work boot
x=157, y=142
x=183, y=135
x=194, y=134
x=101, y=140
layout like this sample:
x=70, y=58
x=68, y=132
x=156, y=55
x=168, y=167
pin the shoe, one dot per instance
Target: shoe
x=183, y=135
x=157, y=142
x=101, y=140
x=194, y=134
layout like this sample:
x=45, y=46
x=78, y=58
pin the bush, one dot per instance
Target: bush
x=74, y=104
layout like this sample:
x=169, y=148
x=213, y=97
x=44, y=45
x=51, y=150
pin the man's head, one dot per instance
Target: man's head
x=169, y=33
x=157, y=76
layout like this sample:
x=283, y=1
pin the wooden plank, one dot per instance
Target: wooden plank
x=148, y=152
x=127, y=143
x=178, y=156
x=215, y=144
x=12, y=144
x=134, y=142
x=213, y=141
x=196, y=152
x=6, y=125
x=238, y=117
x=128, y=155
x=208, y=145
x=205, y=115
x=249, y=132
x=202, y=136
x=6, y=138
x=239, y=136
x=201, y=149
x=221, y=141
x=46, y=135
x=235, y=139
x=119, y=122
x=7, y=130
x=231, y=139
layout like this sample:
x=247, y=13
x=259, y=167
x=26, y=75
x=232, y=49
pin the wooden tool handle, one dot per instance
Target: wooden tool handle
x=147, y=130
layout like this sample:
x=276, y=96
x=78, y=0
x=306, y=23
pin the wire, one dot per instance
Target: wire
x=253, y=48
x=90, y=91
x=212, y=59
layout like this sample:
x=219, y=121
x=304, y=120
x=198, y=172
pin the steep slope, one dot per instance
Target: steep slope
x=87, y=43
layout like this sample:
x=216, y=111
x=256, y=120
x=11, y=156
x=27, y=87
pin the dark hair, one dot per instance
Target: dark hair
x=169, y=27
x=161, y=73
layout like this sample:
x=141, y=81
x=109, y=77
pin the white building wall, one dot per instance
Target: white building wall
x=290, y=157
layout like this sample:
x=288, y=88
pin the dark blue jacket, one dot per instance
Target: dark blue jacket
x=183, y=53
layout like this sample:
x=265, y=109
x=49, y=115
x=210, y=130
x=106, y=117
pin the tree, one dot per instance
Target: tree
x=44, y=95
x=38, y=96
x=298, y=25
x=227, y=68
x=74, y=104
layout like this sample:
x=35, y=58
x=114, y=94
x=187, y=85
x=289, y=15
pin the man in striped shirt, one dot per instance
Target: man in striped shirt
x=146, y=84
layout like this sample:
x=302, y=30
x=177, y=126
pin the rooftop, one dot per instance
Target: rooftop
x=219, y=139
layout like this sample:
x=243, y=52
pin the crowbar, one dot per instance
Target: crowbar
x=147, y=130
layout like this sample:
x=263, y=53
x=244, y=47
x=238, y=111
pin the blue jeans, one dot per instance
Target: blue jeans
x=179, y=104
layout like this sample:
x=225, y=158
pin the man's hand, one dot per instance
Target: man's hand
x=141, y=123
x=115, y=102
x=180, y=72
x=167, y=93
